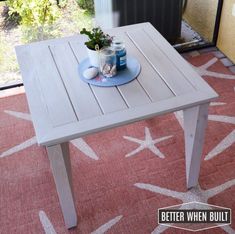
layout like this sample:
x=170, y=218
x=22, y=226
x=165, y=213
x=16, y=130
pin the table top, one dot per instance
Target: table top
x=63, y=107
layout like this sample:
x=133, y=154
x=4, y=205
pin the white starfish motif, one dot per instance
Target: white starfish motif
x=105, y=227
x=226, y=142
x=195, y=194
x=49, y=229
x=203, y=71
x=230, y=139
x=217, y=103
x=147, y=143
x=46, y=223
x=180, y=117
x=78, y=143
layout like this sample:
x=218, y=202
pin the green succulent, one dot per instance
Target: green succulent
x=97, y=38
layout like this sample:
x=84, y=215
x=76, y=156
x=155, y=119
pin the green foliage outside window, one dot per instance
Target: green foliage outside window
x=36, y=17
x=87, y=5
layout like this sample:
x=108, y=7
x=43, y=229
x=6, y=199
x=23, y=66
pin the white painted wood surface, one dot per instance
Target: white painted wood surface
x=64, y=108
x=50, y=82
x=125, y=116
x=85, y=106
x=166, y=83
x=195, y=122
x=61, y=169
x=149, y=79
x=162, y=65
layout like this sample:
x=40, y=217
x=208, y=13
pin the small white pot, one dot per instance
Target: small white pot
x=94, y=57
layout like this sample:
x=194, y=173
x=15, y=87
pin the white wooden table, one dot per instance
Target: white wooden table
x=64, y=108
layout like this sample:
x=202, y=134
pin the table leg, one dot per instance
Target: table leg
x=195, y=122
x=61, y=169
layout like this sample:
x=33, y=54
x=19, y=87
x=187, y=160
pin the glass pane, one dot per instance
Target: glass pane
x=200, y=15
x=181, y=22
x=37, y=20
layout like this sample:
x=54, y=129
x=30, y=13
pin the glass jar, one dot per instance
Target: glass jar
x=120, y=50
x=108, y=62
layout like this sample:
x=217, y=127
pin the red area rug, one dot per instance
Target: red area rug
x=118, y=184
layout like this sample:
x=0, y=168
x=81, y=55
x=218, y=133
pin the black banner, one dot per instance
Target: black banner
x=194, y=216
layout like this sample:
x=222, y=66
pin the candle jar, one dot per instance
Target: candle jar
x=108, y=62
x=120, y=51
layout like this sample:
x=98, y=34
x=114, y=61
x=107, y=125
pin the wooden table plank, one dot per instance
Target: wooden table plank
x=133, y=94
x=35, y=97
x=57, y=102
x=162, y=65
x=186, y=69
x=109, y=99
x=151, y=82
x=79, y=92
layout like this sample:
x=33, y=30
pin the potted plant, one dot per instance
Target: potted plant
x=97, y=40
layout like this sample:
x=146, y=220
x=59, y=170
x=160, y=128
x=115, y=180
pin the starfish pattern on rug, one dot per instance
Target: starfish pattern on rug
x=225, y=143
x=195, y=194
x=78, y=143
x=180, y=117
x=49, y=229
x=203, y=70
x=46, y=223
x=105, y=227
x=228, y=141
x=147, y=143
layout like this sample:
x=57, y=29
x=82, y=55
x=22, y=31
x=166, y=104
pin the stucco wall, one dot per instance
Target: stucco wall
x=226, y=39
x=200, y=15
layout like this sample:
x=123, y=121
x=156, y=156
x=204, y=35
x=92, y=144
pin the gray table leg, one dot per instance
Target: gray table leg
x=61, y=169
x=195, y=122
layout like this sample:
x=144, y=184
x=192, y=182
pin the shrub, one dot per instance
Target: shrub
x=87, y=5
x=62, y=3
x=9, y=20
x=36, y=16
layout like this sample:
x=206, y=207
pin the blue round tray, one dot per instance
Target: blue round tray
x=122, y=77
